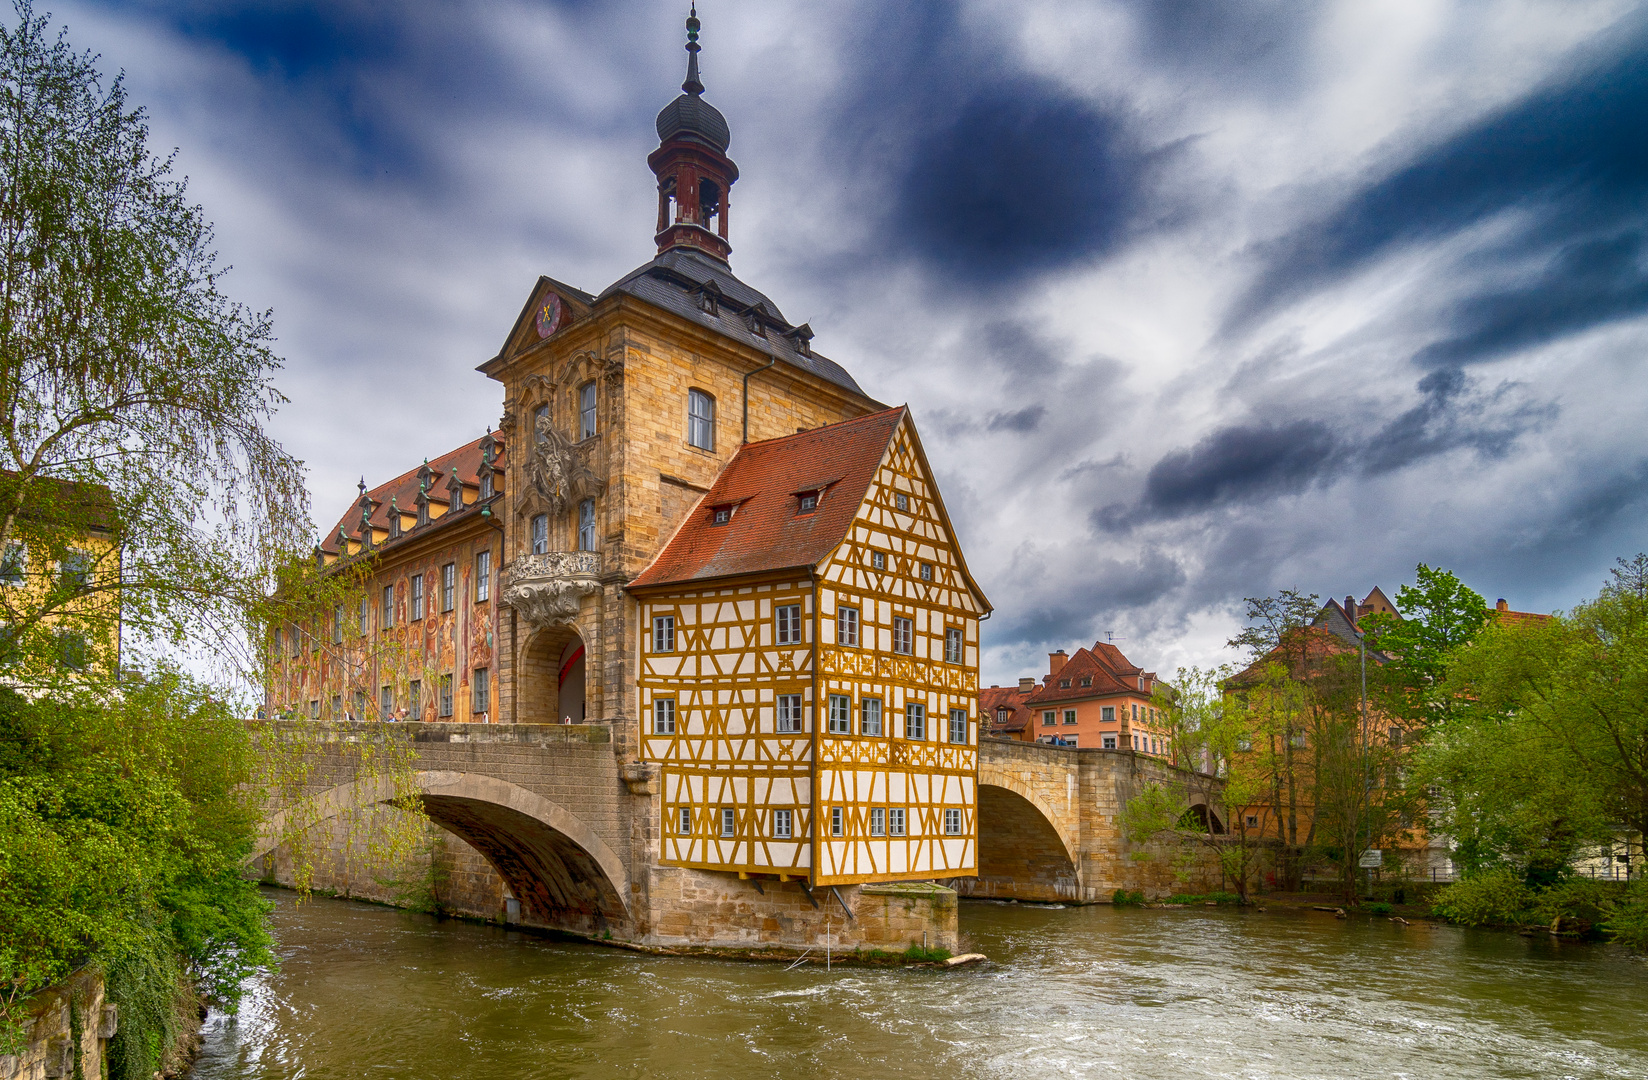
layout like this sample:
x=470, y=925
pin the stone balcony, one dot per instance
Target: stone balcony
x=546, y=588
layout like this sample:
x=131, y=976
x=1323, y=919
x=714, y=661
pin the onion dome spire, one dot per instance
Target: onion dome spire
x=693, y=85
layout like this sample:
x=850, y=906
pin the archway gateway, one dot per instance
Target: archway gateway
x=552, y=684
x=564, y=876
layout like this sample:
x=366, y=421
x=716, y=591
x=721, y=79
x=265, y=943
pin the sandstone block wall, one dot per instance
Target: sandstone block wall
x=50, y=1031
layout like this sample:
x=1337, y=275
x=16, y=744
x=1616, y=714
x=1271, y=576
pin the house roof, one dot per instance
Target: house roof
x=761, y=485
x=403, y=491
x=1009, y=697
x=1107, y=671
x=1507, y=617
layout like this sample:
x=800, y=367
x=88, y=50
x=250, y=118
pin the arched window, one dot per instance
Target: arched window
x=586, y=410
x=540, y=534
x=700, y=420
x=586, y=525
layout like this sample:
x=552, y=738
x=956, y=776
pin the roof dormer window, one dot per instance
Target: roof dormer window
x=808, y=503
x=720, y=515
x=1064, y=684
x=1087, y=680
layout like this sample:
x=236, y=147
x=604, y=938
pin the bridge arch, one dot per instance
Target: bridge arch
x=562, y=873
x=1027, y=849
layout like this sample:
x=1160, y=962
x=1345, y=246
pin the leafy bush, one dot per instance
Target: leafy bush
x=1204, y=898
x=915, y=954
x=1579, y=899
x=1628, y=922
x=1495, y=897
x=1123, y=898
x=1378, y=908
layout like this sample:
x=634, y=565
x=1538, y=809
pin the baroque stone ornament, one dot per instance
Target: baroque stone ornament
x=558, y=470
x=546, y=588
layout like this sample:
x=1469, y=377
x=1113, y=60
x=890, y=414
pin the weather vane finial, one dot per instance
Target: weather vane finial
x=692, y=86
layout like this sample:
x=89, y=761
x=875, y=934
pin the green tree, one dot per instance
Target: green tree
x=1440, y=615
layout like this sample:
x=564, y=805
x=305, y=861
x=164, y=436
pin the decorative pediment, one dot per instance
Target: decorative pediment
x=550, y=308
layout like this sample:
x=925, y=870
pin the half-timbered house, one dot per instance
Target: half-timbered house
x=809, y=665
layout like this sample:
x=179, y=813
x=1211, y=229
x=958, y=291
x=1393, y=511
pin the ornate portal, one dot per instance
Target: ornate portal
x=546, y=589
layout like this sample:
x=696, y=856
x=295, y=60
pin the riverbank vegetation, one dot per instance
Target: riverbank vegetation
x=143, y=514
x=1519, y=743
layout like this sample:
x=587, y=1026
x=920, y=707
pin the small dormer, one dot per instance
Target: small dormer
x=366, y=507
x=709, y=298
x=423, y=505
x=394, y=520
x=454, y=492
x=802, y=336
x=756, y=318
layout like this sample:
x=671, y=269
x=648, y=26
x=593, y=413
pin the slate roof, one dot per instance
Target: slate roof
x=675, y=281
x=761, y=484
x=403, y=489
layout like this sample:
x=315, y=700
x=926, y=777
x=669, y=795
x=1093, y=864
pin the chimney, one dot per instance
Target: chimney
x=1055, y=660
x=1501, y=605
x=1351, y=610
x=1026, y=685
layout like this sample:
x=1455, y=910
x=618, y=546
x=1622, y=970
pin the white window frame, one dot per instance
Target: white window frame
x=790, y=712
x=417, y=598
x=878, y=560
x=449, y=586
x=783, y=824
x=444, y=688
x=480, y=691
x=14, y=565
x=787, y=624
x=1107, y=714
x=663, y=633
x=878, y=821
x=1109, y=742
x=846, y=626
x=587, y=425
x=388, y=613
x=915, y=720
x=1049, y=718
x=952, y=822
x=958, y=725
x=836, y=823
x=903, y=635
x=729, y=821
x=901, y=501
x=926, y=571
x=386, y=701
x=953, y=645
x=414, y=699
x=683, y=821
x=483, y=576
x=586, y=525
x=700, y=420
x=841, y=714
x=663, y=716
x=1069, y=717
x=896, y=818
x=869, y=716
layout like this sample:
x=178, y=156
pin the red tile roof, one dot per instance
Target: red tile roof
x=1013, y=700
x=1507, y=617
x=761, y=485
x=1108, y=673
x=465, y=460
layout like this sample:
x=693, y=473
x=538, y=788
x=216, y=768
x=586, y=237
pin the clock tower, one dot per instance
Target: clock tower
x=695, y=175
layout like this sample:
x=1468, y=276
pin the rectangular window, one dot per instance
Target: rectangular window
x=1110, y=742
x=540, y=417
x=663, y=716
x=952, y=644
x=727, y=821
x=13, y=565
x=789, y=712
x=337, y=624
x=787, y=621
x=926, y=571
x=721, y=516
x=878, y=560
x=449, y=586
x=414, y=700
x=878, y=822
x=1070, y=716
x=483, y=576
x=363, y=616
x=417, y=597
x=841, y=714
x=586, y=410
x=902, y=635
x=683, y=823
x=700, y=420
x=314, y=709
x=337, y=707
x=1108, y=714
x=915, y=720
x=386, y=617
x=835, y=821
x=71, y=651
x=586, y=525
x=901, y=500
x=958, y=725
x=487, y=490
x=360, y=705
x=846, y=626
x=386, y=702
x=540, y=534
x=480, y=681
x=952, y=822
x=808, y=503
x=869, y=716
x=75, y=571
x=296, y=640
x=1049, y=718
x=663, y=633
x=446, y=695
x=783, y=824
x=895, y=821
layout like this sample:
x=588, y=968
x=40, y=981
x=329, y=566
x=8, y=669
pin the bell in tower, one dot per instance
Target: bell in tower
x=694, y=172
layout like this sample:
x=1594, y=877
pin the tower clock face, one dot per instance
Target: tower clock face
x=550, y=314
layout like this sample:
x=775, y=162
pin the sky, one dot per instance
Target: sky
x=1192, y=301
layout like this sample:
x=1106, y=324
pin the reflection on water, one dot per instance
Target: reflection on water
x=366, y=991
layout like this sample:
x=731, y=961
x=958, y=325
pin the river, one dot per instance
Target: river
x=366, y=991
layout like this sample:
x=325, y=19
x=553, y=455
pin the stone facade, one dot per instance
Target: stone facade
x=63, y=1018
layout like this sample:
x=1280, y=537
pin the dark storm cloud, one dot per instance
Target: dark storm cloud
x=988, y=174
x=1097, y=585
x=1024, y=421
x=1573, y=151
x=1258, y=43
x=1242, y=463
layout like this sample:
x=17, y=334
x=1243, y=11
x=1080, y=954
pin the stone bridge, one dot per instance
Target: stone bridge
x=547, y=825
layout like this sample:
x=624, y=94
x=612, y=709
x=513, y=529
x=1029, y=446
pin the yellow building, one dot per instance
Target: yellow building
x=60, y=577
x=809, y=670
